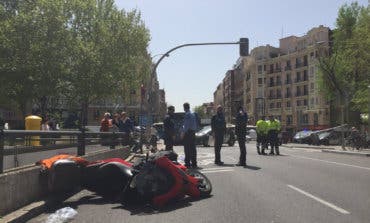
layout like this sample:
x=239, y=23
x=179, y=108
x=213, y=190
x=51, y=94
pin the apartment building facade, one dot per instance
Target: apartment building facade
x=218, y=96
x=283, y=81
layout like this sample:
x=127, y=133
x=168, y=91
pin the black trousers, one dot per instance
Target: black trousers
x=261, y=142
x=274, y=141
x=219, y=140
x=190, y=149
x=243, y=150
x=168, y=141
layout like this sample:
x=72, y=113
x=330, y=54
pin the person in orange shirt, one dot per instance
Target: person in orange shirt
x=106, y=123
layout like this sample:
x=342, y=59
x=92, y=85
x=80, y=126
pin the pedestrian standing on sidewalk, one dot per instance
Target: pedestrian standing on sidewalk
x=218, y=125
x=241, y=132
x=169, y=128
x=274, y=129
x=105, y=126
x=125, y=125
x=188, y=136
x=106, y=123
x=262, y=130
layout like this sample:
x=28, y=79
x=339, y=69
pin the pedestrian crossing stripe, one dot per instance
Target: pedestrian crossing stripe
x=218, y=168
x=218, y=171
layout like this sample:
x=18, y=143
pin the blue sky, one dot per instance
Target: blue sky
x=192, y=74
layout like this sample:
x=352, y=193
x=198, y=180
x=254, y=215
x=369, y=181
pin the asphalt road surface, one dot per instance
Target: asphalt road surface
x=301, y=185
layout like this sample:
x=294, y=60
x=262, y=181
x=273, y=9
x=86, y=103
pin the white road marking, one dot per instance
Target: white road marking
x=341, y=210
x=218, y=168
x=303, y=149
x=343, y=164
x=217, y=171
x=205, y=162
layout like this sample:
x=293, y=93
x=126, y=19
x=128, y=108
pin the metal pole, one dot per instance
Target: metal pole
x=185, y=45
x=81, y=143
x=112, y=141
x=141, y=126
x=342, y=129
x=1, y=150
x=368, y=113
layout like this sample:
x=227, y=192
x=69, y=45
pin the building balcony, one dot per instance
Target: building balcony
x=275, y=110
x=288, y=95
x=289, y=81
x=277, y=70
x=303, y=107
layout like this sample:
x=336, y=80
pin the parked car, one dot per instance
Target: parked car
x=158, y=130
x=251, y=132
x=330, y=138
x=204, y=136
x=303, y=137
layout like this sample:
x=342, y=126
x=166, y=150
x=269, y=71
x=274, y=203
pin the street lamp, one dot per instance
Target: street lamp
x=161, y=54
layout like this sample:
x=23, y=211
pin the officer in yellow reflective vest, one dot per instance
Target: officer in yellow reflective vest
x=273, y=132
x=262, y=130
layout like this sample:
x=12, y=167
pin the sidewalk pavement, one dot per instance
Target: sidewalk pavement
x=330, y=149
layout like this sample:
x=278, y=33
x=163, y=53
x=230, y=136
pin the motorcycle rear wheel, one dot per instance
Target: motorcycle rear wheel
x=204, y=186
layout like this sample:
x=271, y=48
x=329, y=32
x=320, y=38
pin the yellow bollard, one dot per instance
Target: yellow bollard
x=33, y=122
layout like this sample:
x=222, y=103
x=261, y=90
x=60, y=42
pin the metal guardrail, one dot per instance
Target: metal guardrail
x=83, y=138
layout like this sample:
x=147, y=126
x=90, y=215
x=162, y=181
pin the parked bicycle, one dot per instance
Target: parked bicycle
x=357, y=142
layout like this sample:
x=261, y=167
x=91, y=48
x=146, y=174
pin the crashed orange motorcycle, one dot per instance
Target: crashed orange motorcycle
x=157, y=179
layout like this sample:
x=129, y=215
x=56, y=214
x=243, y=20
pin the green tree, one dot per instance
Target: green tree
x=33, y=51
x=80, y=50
x=345, y=72
x=110, y=48
x=200, y=111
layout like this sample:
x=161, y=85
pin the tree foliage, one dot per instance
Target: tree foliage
x=200, y=111
x=345, y=73
x=80, y=50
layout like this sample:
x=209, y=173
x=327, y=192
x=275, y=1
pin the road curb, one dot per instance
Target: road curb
x=307, y=147
x=36, y=208
x=346, y=153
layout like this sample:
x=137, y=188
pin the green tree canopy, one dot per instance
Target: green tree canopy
x=345, y=72
x=80, y=50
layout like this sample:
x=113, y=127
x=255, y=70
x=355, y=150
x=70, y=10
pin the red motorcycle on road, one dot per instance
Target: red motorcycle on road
x=156, y=179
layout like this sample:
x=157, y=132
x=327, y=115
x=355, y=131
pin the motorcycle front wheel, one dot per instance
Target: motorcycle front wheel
x=204, y=185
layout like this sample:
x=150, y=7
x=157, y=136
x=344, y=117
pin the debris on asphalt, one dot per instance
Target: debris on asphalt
x=62, y=215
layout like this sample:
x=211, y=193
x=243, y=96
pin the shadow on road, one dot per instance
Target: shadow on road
x=134, y=209
x=140, y=209
x=252, y=167
x=226, y=165
x=88, y=199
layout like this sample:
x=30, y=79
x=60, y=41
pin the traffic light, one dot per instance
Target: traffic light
x=243, y=47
